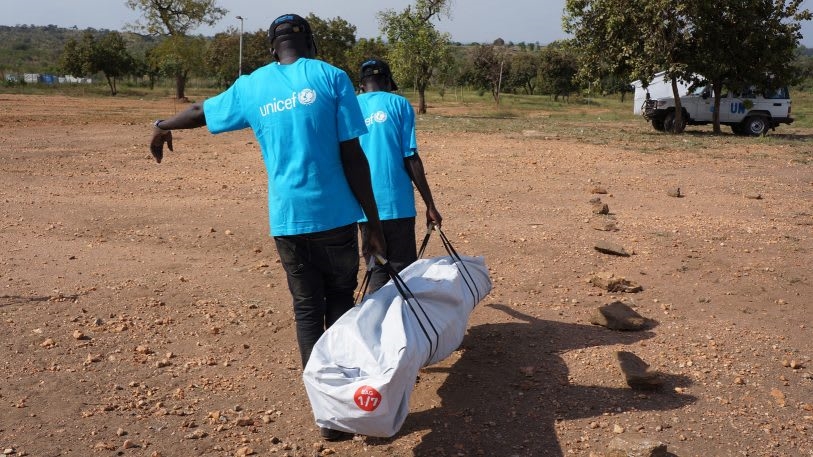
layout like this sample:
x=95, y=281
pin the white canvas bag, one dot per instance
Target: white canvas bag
x=362, y=370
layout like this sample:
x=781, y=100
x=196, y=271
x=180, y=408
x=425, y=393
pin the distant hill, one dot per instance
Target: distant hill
x=36, y=49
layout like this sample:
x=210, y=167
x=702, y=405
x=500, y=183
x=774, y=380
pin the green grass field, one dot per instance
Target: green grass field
x=594, y=120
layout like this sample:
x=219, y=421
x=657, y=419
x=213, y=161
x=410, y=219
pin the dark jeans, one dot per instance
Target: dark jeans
x=322, y=270
x=401, y=250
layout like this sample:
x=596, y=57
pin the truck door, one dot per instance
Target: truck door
x=733, y=106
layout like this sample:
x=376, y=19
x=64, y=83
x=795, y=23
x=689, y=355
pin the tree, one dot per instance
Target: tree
x=178, y=57
x=222, y=54
x=417, y=48
x=334, y=39
x=742, y=43
x=524, y=69
x=636, y=37
x=174, y=19
x=108, y=55
x=486, y=70
x=558, y=66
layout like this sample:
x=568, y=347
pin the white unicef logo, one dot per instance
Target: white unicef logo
x=380, y=116
x=307, y=96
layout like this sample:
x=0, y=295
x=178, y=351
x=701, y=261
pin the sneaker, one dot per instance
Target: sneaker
x=329, y=434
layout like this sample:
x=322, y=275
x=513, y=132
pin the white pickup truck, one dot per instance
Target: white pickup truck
x=747, y=113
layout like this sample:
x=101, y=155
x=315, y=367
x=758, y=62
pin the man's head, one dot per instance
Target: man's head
x=291, y=34
x=376, y=75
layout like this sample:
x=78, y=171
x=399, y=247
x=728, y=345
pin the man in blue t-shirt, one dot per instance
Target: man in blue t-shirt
x=307, y=121
x=392, y=152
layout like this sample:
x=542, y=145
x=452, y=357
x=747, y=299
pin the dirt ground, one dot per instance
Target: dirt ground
x=143, y=311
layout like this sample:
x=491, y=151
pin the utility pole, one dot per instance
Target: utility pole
x=240, y=64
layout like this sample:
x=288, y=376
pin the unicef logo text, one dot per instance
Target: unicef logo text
x=304, y=97
x=307, y=96
x=378, y=116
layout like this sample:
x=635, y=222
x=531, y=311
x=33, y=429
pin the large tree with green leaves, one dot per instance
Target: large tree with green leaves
x=334, y=39
x=558, y=65
x=108, y=55
x=175, y=19
x=222, y=54
x=635, y=37
x=739, y=43
x=417, y=48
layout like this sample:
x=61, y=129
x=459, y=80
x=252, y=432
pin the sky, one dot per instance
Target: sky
x=480, y=21
x=471, y=20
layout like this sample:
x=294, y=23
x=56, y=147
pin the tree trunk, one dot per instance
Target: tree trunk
x=180, y=85
x=678, y=125
x=715, y=116
x=111, y=82
x=421, y=99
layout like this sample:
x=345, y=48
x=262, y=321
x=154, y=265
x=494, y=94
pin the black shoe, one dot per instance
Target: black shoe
x=328, y=434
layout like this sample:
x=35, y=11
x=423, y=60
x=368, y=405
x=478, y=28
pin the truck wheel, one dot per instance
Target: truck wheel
x=657, y=124
x=669, y=123
x=755, y=125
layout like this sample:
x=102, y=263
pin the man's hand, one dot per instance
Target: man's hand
x=433, y=216
x=159, y=137
x=375, y=243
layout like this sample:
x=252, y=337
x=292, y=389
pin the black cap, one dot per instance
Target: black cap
x=377, y=67
x=287, y=26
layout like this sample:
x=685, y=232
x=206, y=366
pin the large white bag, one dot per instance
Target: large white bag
x=362, y=370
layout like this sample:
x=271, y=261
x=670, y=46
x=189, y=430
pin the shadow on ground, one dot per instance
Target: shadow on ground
x=509, y=389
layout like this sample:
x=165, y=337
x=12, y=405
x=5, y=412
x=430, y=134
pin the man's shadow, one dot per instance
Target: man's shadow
x=510, y=387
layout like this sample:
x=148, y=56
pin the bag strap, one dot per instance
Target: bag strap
x=468, y=279
x=429, y=228
x=409, y=299
x=365, y=281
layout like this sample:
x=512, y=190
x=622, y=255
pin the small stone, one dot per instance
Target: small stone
x=753, y=196
x=612, y=283
x=778, y=397
x=78, y=335
x=795, y=365
x=128, y=444
x=48, y=343
x=121, y=432
x=618, y=429
x=598, y=190
x=244, y=451
x=634, y=445
x=244, y=422
x=637, y=373
x=8, y=451
x=601, y=208
x=739, y=381
x=674, y=192
x=141, y=349
x=618, y=316
x=610, y=248
x=228, y=232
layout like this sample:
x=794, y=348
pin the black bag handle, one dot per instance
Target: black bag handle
x=409, y=299
x=465, y=273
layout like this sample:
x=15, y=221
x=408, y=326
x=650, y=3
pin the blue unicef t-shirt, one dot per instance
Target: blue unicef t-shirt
x=299, y=113
x=391, y=124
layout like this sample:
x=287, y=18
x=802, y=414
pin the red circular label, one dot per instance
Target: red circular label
x=367, y=398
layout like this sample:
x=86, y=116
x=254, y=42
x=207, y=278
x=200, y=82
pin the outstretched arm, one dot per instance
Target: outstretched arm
x=414, y=167
x=190, y=118
x=357, y=172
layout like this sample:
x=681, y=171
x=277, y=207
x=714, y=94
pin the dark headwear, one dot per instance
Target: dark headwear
x=377, y=67
x=288, y=27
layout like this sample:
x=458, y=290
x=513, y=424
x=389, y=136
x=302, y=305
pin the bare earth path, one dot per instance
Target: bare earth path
x=143, y=311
